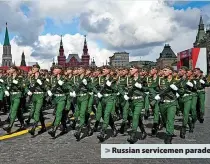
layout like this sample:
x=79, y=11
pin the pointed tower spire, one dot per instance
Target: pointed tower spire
x=23, y=62
x=6, y=38
x=201, y=32
x=61, y=57
x=85, y=55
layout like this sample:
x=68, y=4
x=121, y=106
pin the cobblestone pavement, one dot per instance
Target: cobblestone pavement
x=65, y=149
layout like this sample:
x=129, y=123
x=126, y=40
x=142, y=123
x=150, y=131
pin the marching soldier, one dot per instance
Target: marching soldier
x=57, y=88
x=14, y=90
x=168, y=102
x=136, y=95
x=37, y=90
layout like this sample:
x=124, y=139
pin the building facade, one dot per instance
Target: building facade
x=73, y=60
x=119, y=59
x=7, y=56
x=141, y=63
x=203, y=40
x=167, y=57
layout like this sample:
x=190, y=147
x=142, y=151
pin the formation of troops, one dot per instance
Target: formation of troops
x=83, y=96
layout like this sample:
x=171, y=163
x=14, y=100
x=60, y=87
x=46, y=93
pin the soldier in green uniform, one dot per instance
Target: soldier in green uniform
x=57, y=88
x=123, y=87
x=2, y=89
x=185, y=92
x=152, y=82
x=107, y=103
x=14, y=89
x=143, y=75
x=168, y=102
x=82, y=89
x=37, y=91
x=136, y=95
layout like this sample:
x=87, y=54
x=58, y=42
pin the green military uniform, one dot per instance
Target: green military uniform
x=123, y=87
x=137, y=97
x=168, y=104
x=185, y=92
x=82, y=90
x=37, y=91
x=57, y=88
x=15, y=89
x=107, y=103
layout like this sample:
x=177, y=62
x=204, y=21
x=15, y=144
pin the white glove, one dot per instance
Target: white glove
x=174, y=87
x=71, y=94
x=157, y=97
x=99, y=95
x=49, y=93
x=7, y=88
x=202, y=82
x=1, y=80
x=60, y=82
x=47, y=80
x=138, y=85
x=195, y=82
x=15, y=81
x=189, y=84
x=126, y=97
x=74, y=94
x=6, y=93
x=84, y=81
x=91, y=93
x=177, y=95
x=29, y=93
x=39, y=81
x=118, y=93
x=108, y=83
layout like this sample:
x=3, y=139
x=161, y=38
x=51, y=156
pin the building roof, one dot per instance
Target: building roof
x=71, y=56
x=121, y=52
x=167, y=52
x=6, y=38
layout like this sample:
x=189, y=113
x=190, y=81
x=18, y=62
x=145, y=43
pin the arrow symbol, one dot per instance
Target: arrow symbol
x=107, y=150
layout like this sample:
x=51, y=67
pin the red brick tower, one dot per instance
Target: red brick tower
x=85, y=55
x=61, y=57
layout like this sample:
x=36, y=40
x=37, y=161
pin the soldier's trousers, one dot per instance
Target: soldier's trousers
x=60, y=102
x=201, y=100
x=107, y=106
x=156, y=112
x=168, y=112
x=81, y=111
x=125, y=108
x=186, y=106
x=193, y=107
x=146, y=103
x=15, y=110
x=37, y=100
x=136, y=106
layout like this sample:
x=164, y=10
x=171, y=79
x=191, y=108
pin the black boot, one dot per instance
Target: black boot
x=201, y=120
x=8, y=129
x=114, y=130
x=122, y=128
x=143, y=132
x=43, y=129
x=73, y=125
x=101, y=136
x=191, y=127
x=154, y=129
x=32, y=130
x=132, y=139
x=183, y=132
x=64, y=129
x=53, y=131
x=28, y=121
x=168, y=139
x=95, y=128
x=78, y=133
x=129, y=121
x=146, y=115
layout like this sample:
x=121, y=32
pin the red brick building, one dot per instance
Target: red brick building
x=73, y=60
